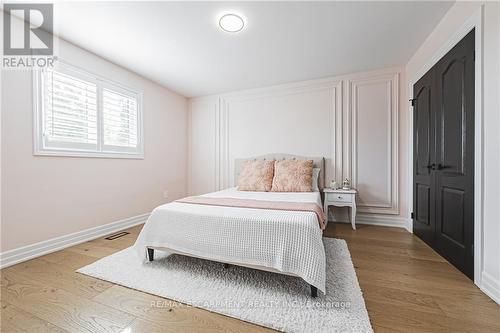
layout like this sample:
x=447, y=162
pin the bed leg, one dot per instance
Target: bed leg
x=314, y=291
x=151, y=253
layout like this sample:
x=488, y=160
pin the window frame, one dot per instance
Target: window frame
x=40, y=146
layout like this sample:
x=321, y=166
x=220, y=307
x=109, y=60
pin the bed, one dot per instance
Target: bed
x=281, y=241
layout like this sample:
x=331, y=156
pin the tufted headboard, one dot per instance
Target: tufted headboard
x=318, y=162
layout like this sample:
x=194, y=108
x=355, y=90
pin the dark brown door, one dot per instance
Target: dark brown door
x=443, y=174
x=424, y=156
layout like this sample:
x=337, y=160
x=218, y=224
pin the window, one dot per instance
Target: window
x=81, y=114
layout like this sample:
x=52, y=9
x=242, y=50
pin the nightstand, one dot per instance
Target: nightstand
x=341, y=198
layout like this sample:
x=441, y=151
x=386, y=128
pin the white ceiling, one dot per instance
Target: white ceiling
x=179, y=45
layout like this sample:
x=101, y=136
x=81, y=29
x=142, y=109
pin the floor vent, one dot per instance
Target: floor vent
x=118, y=235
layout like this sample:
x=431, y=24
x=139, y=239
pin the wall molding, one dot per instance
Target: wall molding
x=343, y=161
x=15, y=256
x=392, y=82
x=224, y=161
x=335, y=87
x=490, y=286
x=215, y=108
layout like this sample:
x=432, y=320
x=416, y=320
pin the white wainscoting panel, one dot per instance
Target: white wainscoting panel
x=299, y=120
x=351, y=120
x=204, y=146
x=373, y=114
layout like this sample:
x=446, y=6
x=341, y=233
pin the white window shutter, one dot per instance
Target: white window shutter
x=82, y=114
x=119, y=119
x=70, y=110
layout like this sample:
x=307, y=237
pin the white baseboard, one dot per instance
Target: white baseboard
x=12, y=257
x=490, y=286
x=382, y=220
x=386, y=221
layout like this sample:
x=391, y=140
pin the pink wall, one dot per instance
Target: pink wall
x=47, y=197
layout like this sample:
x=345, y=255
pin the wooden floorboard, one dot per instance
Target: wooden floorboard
x=406, y=285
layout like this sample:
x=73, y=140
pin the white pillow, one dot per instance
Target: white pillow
x=315, y=178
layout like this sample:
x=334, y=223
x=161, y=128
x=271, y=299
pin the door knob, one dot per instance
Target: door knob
x=431, y=166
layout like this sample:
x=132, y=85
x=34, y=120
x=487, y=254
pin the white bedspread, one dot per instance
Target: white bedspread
x=290, y=242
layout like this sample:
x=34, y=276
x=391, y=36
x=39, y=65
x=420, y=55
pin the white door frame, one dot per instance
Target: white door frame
x=474, y=22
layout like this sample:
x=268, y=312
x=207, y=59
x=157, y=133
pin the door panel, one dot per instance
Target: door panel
x=453, y=116
x=423, y=117
x=424, y=153
x=452, y=215
x=455, y=139
x=444, y=156
x=423, y=204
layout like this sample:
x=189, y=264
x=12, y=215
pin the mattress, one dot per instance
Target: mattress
x=289, y=242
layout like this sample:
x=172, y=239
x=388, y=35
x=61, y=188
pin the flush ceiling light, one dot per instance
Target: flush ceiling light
x=231, y=22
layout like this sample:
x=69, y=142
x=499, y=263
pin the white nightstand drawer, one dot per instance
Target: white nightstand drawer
x=339, y=197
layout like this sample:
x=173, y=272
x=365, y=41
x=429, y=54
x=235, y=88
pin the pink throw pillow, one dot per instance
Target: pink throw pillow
x=293, y=176
x=256, y=175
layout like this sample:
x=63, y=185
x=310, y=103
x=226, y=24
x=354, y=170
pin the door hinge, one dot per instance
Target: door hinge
x=412, y=215
x=413, y=100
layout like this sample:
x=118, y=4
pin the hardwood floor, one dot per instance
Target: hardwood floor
x=406, y=285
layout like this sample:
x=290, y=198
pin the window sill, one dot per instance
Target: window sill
x=88, y=154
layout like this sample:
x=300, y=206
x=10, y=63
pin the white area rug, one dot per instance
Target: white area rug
x=268, y=299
